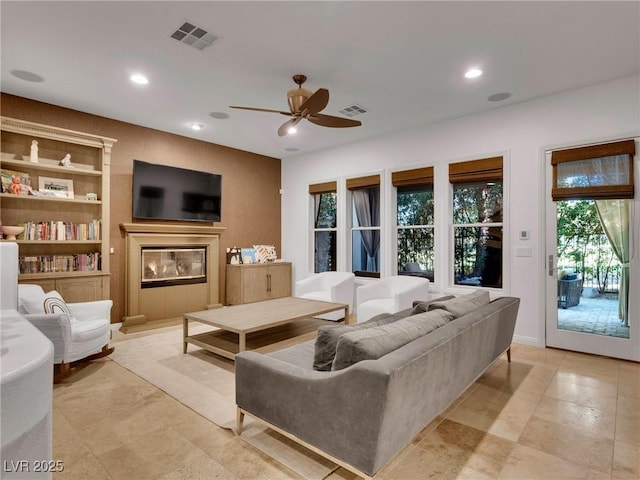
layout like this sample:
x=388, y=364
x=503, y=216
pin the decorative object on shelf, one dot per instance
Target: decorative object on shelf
x=66, y=161
x=11, y=231
x=92, y=196
x=234, y=256
x=59, y=187
x=17, y=183
x=34, y=151
x=265, y=253
x=248, y=255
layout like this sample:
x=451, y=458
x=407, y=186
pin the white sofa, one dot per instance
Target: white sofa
x=26, y=371
x=389, y=295
x=335, y=287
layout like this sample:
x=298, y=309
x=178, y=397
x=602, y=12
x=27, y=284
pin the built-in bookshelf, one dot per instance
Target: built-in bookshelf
x=63, y=207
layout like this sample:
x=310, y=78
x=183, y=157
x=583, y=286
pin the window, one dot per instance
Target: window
x=477, y=222
x=365, y=225
x=414, y=222
x=324, y=226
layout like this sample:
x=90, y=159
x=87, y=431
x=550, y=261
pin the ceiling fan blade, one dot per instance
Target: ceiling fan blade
x=331, y=121
x=316, y=102
x=289, y=114
x=284, y=128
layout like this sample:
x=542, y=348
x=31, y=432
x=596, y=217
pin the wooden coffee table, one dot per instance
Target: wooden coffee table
x=235, y=323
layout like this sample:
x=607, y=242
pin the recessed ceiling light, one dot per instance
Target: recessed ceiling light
x=196, y=126
x=498, y=97
x=473, y=73
x=27, y=76
x=139, y=79
x=292, y=130
x=292, y=149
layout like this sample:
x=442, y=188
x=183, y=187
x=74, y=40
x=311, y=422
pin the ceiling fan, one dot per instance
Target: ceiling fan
x=305, y=104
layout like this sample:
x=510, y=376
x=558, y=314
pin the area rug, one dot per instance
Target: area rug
x=205, y=383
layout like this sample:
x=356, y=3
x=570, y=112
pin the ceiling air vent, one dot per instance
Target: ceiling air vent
x=195, y=36
x=353, y=110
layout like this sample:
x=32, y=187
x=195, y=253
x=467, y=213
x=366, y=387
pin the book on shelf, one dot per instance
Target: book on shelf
x=59, y=230
x=84, y=262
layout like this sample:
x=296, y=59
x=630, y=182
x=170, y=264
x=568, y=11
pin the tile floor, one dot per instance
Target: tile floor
x=550, y=414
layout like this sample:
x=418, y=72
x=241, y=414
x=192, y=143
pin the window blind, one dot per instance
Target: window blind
x=482, y=170
x=326, y=187
x=602, y=171
x=413, y=178
x=363, y=182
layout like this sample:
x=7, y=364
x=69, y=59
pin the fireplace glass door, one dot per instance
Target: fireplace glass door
x=163, y=266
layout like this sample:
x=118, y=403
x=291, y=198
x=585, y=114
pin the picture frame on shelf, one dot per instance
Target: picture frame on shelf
x=248, y=256
x=265, y=253
x=11, y=185
x=234, y=256
x=56, y=187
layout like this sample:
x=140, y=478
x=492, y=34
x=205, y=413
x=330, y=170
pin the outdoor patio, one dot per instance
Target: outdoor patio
x=597, y=315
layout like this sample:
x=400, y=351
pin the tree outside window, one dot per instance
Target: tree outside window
x=415, y=232
x=477, y=232
x=325, y=232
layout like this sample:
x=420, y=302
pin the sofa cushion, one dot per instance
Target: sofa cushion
x=375, y=342
x=463, y=304
x=327, y=338
x=88, y=330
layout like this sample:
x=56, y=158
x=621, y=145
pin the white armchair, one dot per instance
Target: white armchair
x=78, y=331
x=390, y=295
x=328, y=287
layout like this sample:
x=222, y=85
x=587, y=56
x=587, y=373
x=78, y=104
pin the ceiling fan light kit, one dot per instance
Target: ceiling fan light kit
x=306, y=105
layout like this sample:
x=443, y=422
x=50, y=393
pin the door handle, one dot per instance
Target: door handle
x=551, y=268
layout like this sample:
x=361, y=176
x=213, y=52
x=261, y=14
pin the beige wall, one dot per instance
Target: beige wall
x=250, y=182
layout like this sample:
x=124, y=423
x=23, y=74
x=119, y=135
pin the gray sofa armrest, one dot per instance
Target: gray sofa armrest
x=337, y=412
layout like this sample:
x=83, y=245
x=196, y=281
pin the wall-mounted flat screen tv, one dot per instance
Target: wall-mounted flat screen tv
x=161, y=192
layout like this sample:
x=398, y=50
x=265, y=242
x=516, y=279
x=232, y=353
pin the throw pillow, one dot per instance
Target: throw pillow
x=421, y=306
x=51, y=302
x=325, y=346
x=463, y=304
x=373, y=343
x=55, y=304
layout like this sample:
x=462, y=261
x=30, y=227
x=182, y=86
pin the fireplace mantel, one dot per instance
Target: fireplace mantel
x=170, y=229
x=144, y=305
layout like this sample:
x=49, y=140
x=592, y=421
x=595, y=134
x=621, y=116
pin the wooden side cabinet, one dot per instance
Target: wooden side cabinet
x=257, y=282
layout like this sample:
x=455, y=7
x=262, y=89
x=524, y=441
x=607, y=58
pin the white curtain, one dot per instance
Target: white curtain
x=614, y=217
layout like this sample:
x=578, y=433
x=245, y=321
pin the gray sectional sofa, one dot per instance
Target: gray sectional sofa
x=360, y=412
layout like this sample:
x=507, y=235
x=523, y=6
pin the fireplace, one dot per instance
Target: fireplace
x=170, y=270
x=164, y=267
